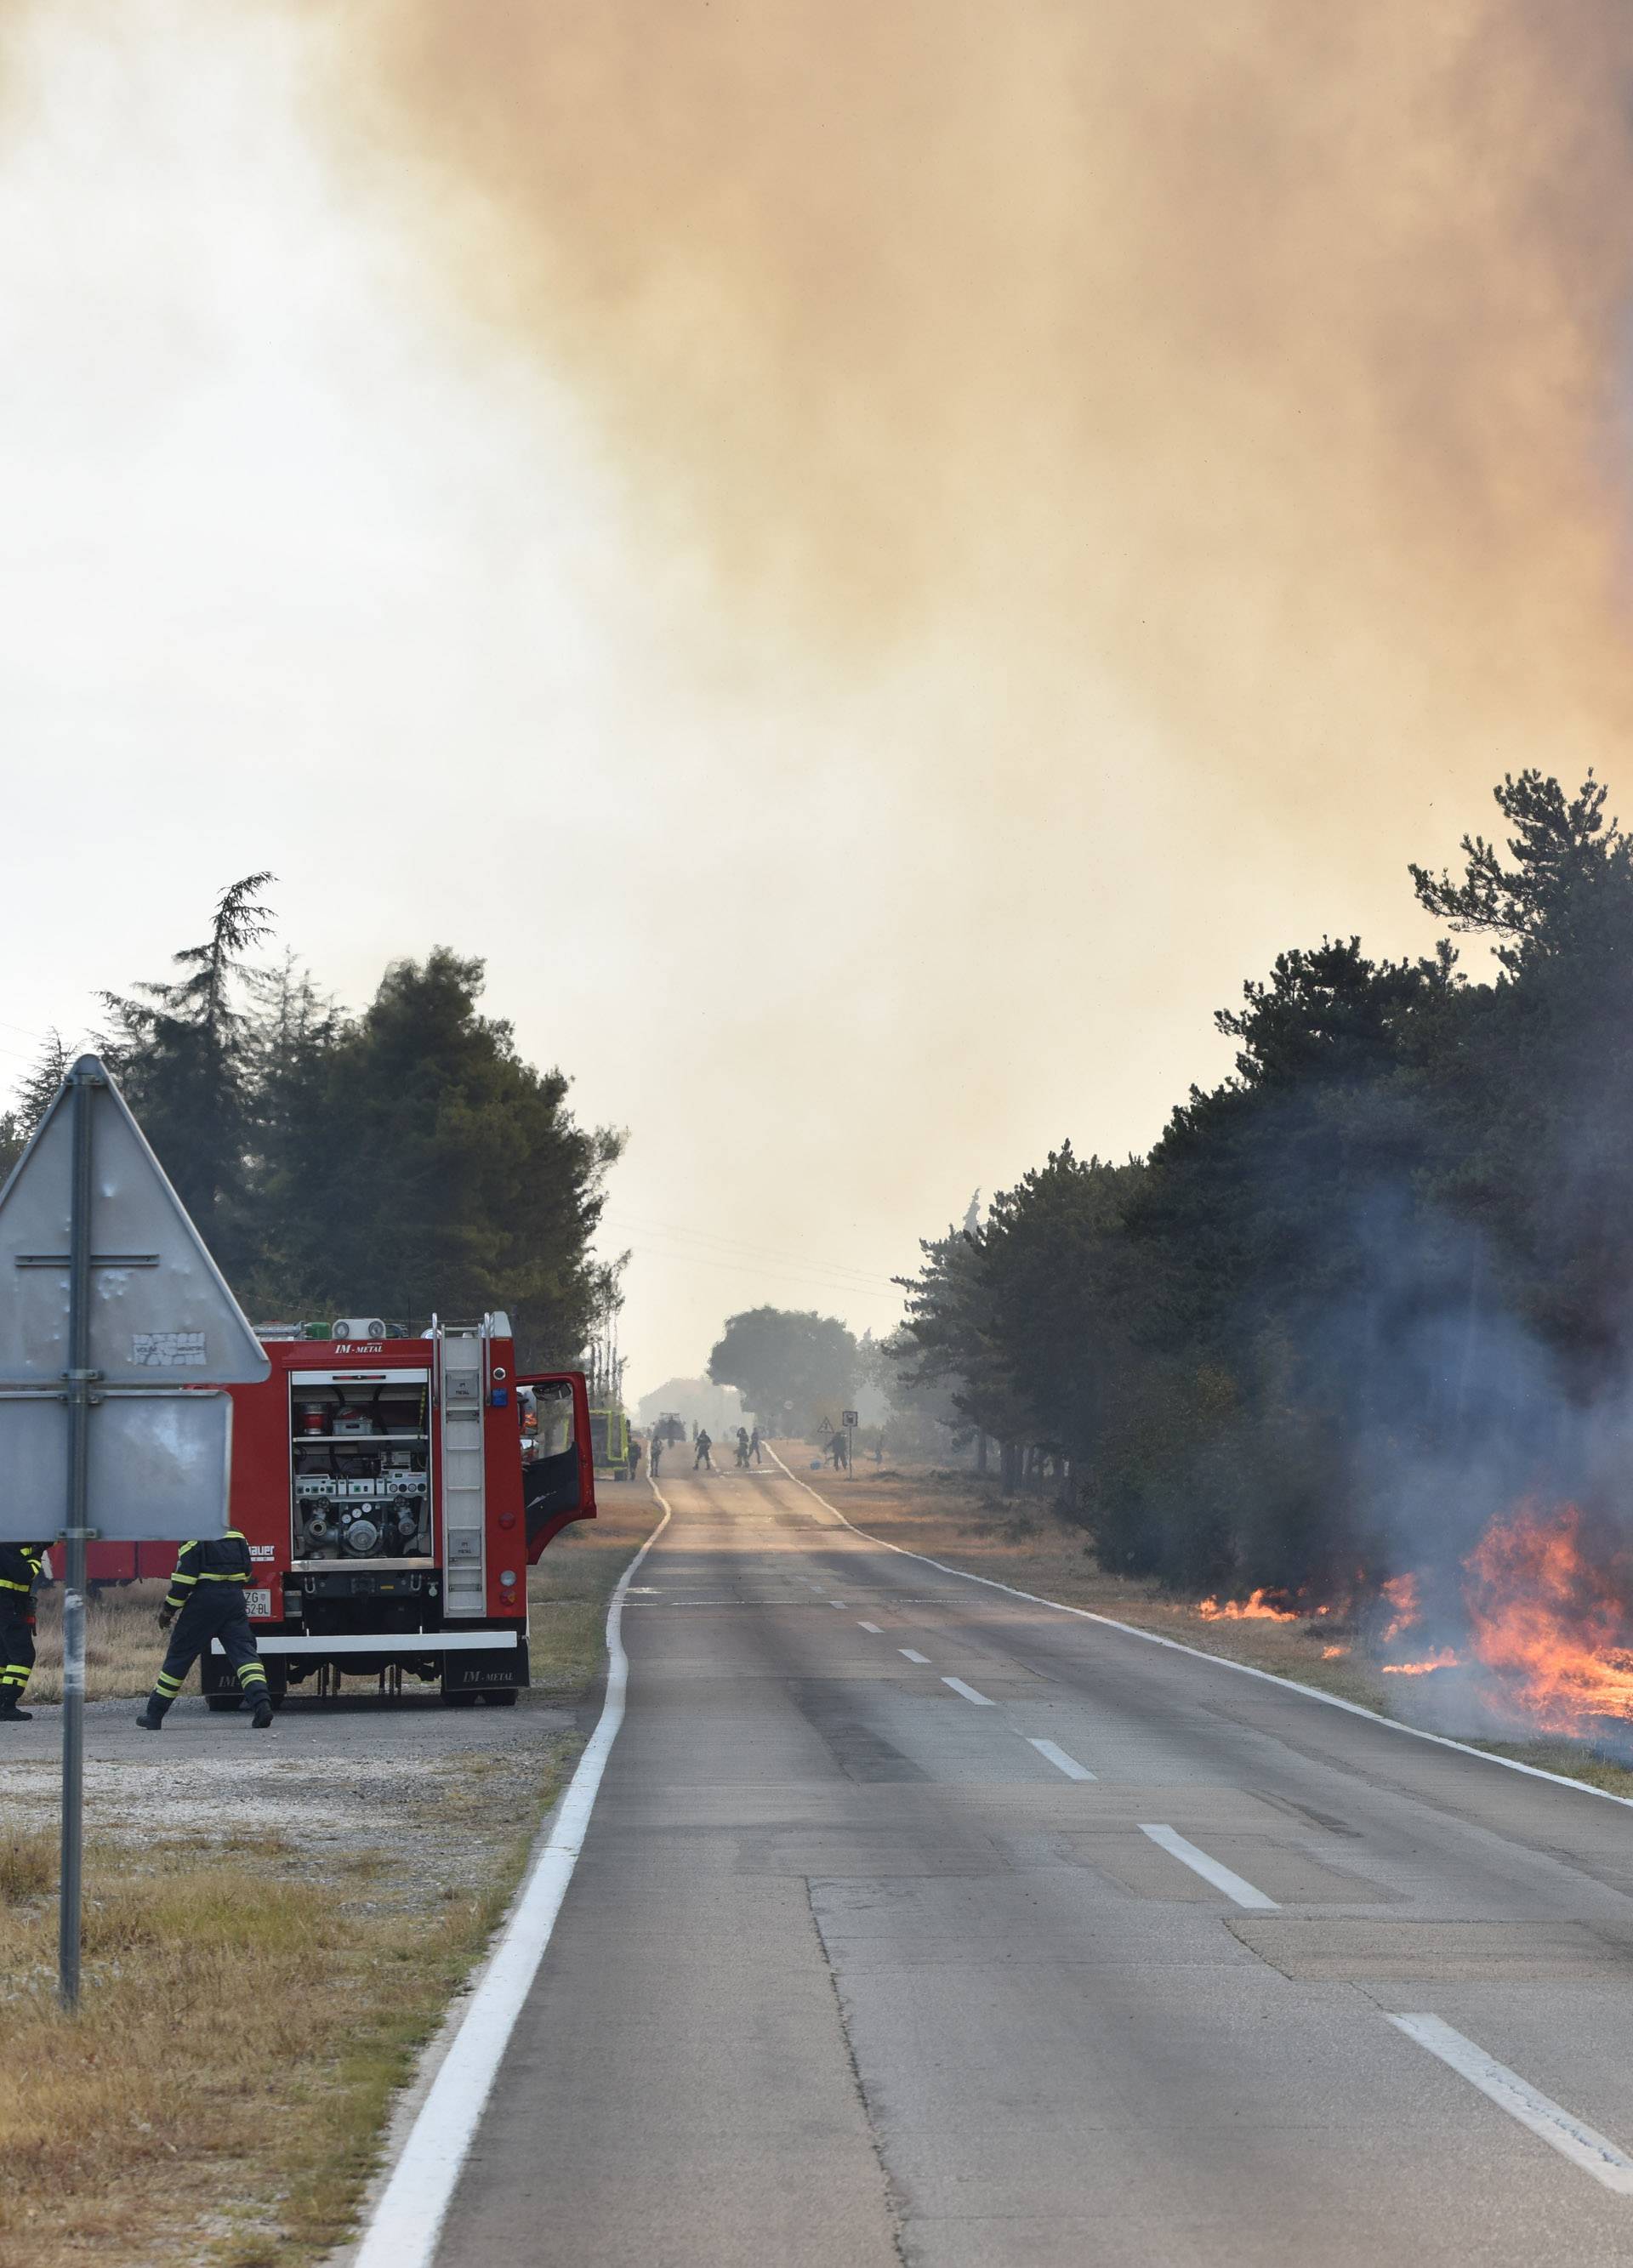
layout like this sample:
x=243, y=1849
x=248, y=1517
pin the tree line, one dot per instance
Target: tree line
x=1376, y=1281
x=396, y=1162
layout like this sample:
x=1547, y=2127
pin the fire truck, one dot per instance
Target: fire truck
x=394, y=1491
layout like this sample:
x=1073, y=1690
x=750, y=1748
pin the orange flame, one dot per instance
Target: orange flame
x=1332, y=1652
x=1445, y=1660
x=1256, y=1608
x=1402, y=1593
x=1549, y=1621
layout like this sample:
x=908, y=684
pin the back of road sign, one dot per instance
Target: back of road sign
x=161, y=1313
x=158, y=1466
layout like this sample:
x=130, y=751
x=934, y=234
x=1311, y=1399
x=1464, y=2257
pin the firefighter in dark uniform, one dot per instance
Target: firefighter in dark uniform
x=207, y=1594
x=19, y=1571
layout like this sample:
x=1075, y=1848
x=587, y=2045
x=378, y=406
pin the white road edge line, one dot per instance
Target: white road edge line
x=1058, y=1758
x=1220, y=1660
x=911, y=1656
x=1234, y=1886
x=874, y=1627
x=1608, y=2165
x=407, y=2220
x=969, y=1692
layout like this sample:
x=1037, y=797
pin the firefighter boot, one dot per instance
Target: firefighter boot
x=10, y=1714
x=262, y=1716
x=152, y=1717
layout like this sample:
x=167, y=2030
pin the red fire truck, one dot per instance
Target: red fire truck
x=394, y=1492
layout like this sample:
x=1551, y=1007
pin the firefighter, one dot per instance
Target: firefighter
x=655, y=1459
x=742, y=1448
x=754, y=1444
x=704, y=1444
x=207, y=1594
x=19, y=1571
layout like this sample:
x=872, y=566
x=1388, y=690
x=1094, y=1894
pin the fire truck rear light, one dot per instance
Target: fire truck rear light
x=508, y=1520
x=508, y=1578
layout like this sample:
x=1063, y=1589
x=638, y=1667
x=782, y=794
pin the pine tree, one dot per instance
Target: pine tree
x=184, y=1050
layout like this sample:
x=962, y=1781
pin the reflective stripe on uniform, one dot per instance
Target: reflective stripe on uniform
x=208, y=1578
x=6, y=1584
x=167, y=1684
x=251, y=1672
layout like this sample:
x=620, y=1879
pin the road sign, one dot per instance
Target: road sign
x=107, y=1300
x=160, y=1313
x=158, y=1465
x=848, y=1417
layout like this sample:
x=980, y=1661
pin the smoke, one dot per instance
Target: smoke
x=1263, y=359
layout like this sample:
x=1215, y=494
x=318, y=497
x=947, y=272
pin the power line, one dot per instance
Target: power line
x=837, y=1268
x=828, y=1283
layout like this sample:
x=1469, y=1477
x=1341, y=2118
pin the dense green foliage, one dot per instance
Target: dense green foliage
x=398, y=1162
x=792, y=1368
x=1379, y=1278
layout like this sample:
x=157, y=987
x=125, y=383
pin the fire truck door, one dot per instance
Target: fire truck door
x=558, y=1470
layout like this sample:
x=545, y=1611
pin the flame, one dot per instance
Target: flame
x=1548, y=1620
x=1256, y=1608
x=1443, y=1659
x=1403, y=1594
x=1332, y=1652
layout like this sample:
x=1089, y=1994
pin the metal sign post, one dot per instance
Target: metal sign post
x=77, y=1378
x=82, y=1411
x=850, y=1416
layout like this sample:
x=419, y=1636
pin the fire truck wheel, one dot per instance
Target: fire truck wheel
x=220, y=1701
x=459, y=1700
x=503, y=1699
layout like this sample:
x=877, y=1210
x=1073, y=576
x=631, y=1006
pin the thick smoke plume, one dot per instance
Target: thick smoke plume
x=1263, y=356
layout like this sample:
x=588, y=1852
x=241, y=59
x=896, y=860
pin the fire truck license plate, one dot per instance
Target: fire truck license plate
x=259, y=1605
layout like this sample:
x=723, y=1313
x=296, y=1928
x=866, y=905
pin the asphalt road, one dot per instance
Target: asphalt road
x=856, y=1968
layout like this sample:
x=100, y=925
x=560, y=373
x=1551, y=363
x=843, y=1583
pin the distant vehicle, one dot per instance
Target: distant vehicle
x=610, y=1444
x=670, y=1428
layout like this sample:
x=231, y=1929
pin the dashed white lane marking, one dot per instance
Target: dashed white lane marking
x=1058, y=1758
x=911, y=1656
x=1210, y=1870
x=1608, y=2165
x=840, y=1603
x=874, y=1627
x=969, y=1692
x=407, y=2220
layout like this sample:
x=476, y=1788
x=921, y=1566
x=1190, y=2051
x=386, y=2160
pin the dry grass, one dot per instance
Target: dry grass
x=952, y=1517
x=124, y=1644
x=567, y=1592
x=221, y=2094
x=247, y=2019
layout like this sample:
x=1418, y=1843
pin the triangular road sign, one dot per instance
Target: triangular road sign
x=161, y=1313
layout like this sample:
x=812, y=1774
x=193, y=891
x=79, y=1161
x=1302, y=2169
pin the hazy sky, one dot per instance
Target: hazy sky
x=874, y=561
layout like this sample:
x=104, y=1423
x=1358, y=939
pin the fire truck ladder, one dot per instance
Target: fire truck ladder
x=464, y=1525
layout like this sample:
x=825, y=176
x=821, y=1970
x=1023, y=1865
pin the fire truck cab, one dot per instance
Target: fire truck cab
x=394, y=1492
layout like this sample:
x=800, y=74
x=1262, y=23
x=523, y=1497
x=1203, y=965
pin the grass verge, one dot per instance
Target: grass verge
x=252, y=2003
x=950, y=1516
